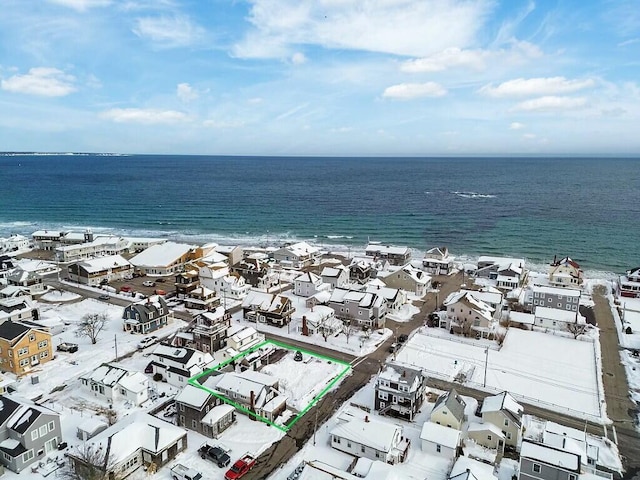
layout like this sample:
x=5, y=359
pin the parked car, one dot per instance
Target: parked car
x=125, y=288
x=403, y=338
x=216, y=454
x=148, y=283
x=393, y=347
x=104, y=296
x=180, y=472
x=145, y=342
x=159, y=280
x=240, y=468
x=67, y=347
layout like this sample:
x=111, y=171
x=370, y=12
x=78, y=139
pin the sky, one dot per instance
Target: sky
x=320, y=77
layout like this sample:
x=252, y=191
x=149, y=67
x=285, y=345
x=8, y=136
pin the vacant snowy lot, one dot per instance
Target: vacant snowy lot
x=559, y=373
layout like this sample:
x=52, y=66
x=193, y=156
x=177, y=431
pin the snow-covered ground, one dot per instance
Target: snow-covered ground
x=60, y=296
x=557, y=372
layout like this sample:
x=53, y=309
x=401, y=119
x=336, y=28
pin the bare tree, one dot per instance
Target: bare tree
x=91, y=325
x=577, y=329
x=465, y=327
x=90, y=462
x=349, y=326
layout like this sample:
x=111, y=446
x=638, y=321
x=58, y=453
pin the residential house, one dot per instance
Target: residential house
x=140, y=244
x=466, y=468
x=19, y=308
x=14, y=292
x=201, y=298
x=297, y=256
x=394, y=298
x=187, y=280
x=449, y=410
x=6, y=384
x=335, y=277
x=543, y=462
x=98, y=270
x=14, y=243
x=228, y=286
x=308, y=284
x=488, y=295
x=553, y=297
x=407, y=278
x=208, y=332
x=437, y=261
x=565, y=273
x=555, y=318
x=320, y=320
x=28, y=432
x=232, y=253
x=504, y=412
x=111, y=382
x=487, y=435
x=362, y=308
x=465, y=313
x=178, y=364
x=198, y=410
x=257, y=392
x=256, y=273
x=27, y=279
x=89, y=428
x=137, y=440
x=440, y=440
x=399, y=391
x=267, y=308
x=395, y=255
x=629, y=284
x=146, y=315
x=370, y=438
x=23, y=346
x=7, y=264
x=243, y=338
x=47, y=239
x=508, y=273
x=166, y=258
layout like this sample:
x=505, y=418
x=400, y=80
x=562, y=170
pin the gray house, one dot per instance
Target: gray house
x=554, y=297
x=28, y=432
x=202, y=412
x=146, y=316
x=365, y=309
x=542, y=462
x=399, y=391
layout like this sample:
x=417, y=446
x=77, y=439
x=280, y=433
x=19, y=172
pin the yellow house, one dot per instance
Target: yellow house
x=23, y=346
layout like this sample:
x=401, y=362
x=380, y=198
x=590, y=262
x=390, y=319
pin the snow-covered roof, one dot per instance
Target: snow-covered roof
x=319, y=313
x=381, y=436
x=562, y=292
x=479, y=470
x=399, y=373
x=161, y=255
x=192, y=395
x=135, y=431
x=486, y=297
x=217, y=413
x=243, y=333
x=484, y=427
x=502, y=261
x=91, y=425
x=274, y=404
x=550, y=455
x=502, y=401
x=432, y=432
x=387, y=249
x=100, y=264
x=108, y=374
x=136, y=382
x=555, y=314
x=301, y=249
x=469, y=299
x=333, y=272
x=241, y=383
x=309, y=277
x=521, y=317
x=385, y=292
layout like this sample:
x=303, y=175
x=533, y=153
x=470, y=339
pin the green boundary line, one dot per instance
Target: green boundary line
x=285, y=428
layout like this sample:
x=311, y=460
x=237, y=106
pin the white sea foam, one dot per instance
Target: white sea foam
x=473, y=195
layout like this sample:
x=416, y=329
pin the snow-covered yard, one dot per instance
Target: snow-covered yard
x=302, y=381
x=556, y=372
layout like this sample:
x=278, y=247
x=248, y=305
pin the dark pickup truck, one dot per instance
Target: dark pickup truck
x=216, y=454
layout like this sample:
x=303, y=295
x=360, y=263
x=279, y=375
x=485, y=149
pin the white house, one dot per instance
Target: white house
x=465, y=310
x=370, y=438
x=504, y=412
x=565, y=273
x=308, y=284
x=336, y=277
x=437, y=261
x=29, y=279
x=244, y=338
x=394, y=298
x=18, y=309
x=165, y=258
x=106, y=245
x=228, y=286
x=320, y=320
x=440, y=440
x=178, y=364
x=408, y=278
x=487, y=435
x=92, y=272
x=297, y=256
x=14, y=243
x=555, y=318
x=629, y=284
x=449, y=410
x=112, y=382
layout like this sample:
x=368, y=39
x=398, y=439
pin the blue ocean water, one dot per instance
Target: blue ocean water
x=587, y=208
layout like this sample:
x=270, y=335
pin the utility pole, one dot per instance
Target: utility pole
x=115, y=343
x=315, y=424
x=486, y=361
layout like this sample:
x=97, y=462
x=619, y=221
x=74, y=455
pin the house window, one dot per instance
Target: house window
x=377, y=454
x=24, y=362
x=26, y=456
x=43, y=344
x=489, y=437
x=7, y=457
x=348, y=444
x=23, y=351
x=52, y=426
x=194, y=424
x=44, y=354
x=572, y=476
x=362, y=448
x=336, y=439
x=34, y=435
x=382, y=395
x=506, y=422
x=438, y=448
x=536, y=468
x=508, y=435
x=43, y=430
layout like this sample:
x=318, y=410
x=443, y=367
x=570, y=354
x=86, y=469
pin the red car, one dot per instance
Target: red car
x=240, y=468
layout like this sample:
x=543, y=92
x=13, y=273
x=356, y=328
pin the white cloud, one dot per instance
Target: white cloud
x=393, y=26
x=168, y=32
x=255, y=100
x=478, y=60
x=529, y=136
x=298, y=58
x=223, y=124
x=82, y=5
x=552, y=103
x=516, y=126
x=43, y=81
x=408, y=91
x=146, y=116
x=521, y=87
x=186, y=92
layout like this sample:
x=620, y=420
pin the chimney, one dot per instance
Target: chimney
x=305, y=327
x=404, y=373
x=366, y=418
x=252, y=404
